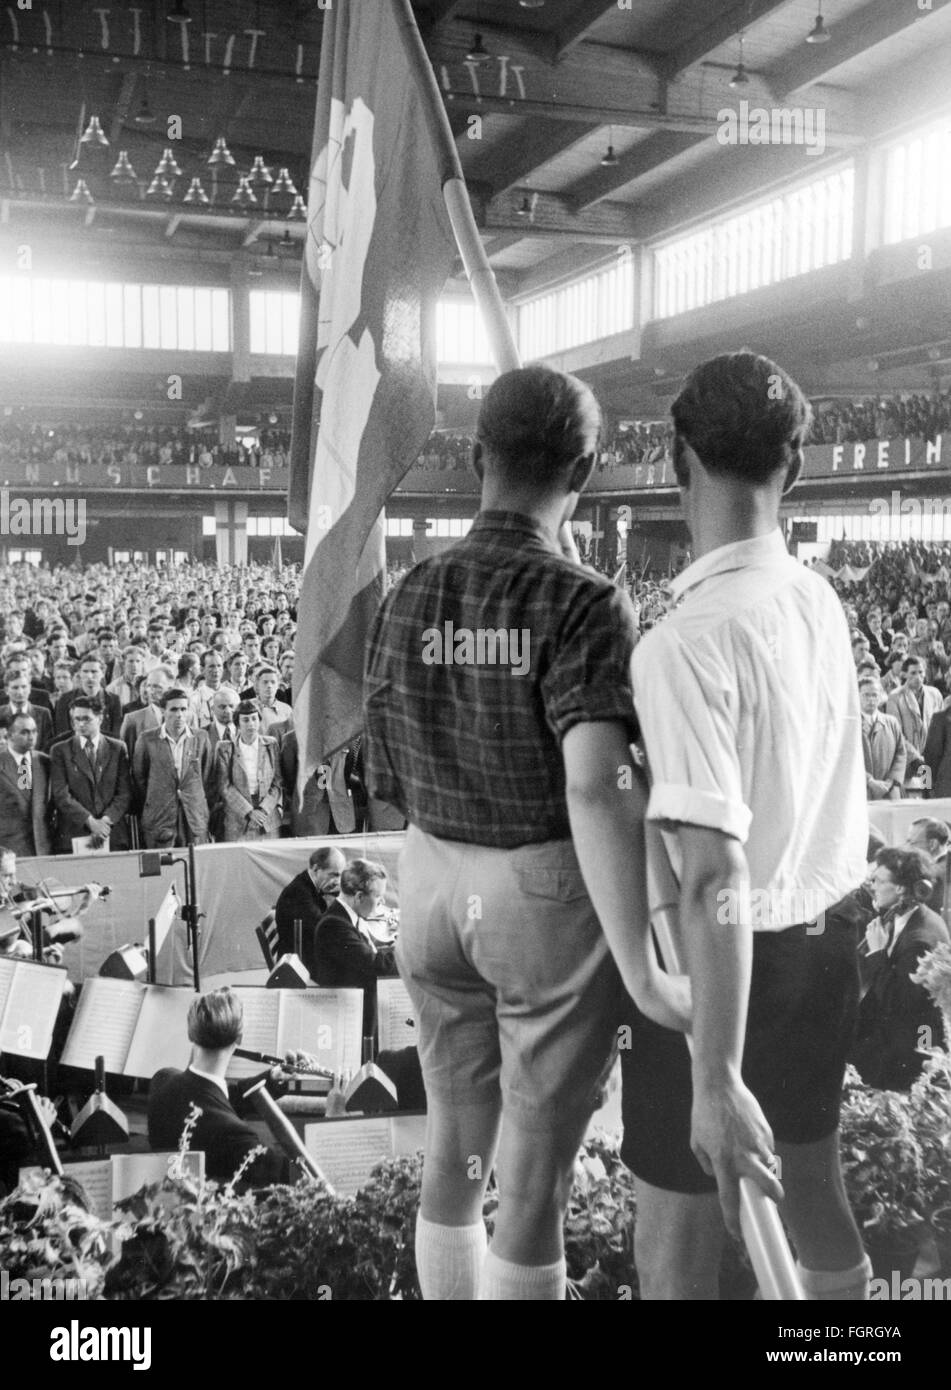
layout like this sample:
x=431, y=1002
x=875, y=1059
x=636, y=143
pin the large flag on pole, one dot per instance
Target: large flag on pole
x=379, y=248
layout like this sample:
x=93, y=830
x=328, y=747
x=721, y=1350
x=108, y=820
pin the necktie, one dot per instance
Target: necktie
x=23, y=775
x=91, y=753
x=227, y=734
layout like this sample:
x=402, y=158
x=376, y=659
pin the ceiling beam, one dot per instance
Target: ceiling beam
x=609, y=224
x=725, y=25
x=581, y=22
x=123, y=106
x=253, y=232
x=173, y=224
x=640, y=119
x=90, y=215
x=526, y=149
x=851, y=37
x=646, y=156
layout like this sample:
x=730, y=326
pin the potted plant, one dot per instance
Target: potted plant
x=883, y=1168
x=931, y=1106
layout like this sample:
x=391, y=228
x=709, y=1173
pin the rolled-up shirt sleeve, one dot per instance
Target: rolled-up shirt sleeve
x=684, y=701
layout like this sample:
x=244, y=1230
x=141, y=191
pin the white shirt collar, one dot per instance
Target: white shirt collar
x=207, y=1076
x=736, y=555
x=164, y=733
x=350, y=913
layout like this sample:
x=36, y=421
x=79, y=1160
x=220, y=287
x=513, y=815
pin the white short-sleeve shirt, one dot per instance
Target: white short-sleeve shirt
x=748, y=706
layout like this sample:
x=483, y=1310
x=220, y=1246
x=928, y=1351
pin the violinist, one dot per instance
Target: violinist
x=20, y=903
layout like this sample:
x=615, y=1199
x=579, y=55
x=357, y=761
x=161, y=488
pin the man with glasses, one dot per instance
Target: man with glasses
x=91, y=785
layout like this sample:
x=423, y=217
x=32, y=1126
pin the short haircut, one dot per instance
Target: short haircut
x=215, y=1020
x=188, y=661
x=870, y=680
x=743, y=416
x=535, y=421
x=247, y=707
x=174, y=693
x=20, y=715
x=320, y=858
x=266, y=670
x=104, y=634
x=64, y=664
x=91, y=702
x=359, y=874
x=6, y=719
x=911, y=870
x=910, y=661
x=92, y=659
x=934, y=829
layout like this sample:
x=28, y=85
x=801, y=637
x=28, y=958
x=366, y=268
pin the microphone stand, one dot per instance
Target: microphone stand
x=189, y=911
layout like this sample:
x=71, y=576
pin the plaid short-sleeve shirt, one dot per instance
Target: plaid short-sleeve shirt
x=480, y=661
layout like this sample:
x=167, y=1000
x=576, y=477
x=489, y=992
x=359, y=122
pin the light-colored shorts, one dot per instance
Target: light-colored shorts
x=515, y=990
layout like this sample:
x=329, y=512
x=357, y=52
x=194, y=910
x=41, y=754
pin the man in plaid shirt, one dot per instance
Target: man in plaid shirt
x=499, y=717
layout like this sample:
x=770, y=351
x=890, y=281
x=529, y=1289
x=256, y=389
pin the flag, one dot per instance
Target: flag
x=378, y=250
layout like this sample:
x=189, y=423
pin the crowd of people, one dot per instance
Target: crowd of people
x=138, y=443
x=892, y=417
x=153, y=707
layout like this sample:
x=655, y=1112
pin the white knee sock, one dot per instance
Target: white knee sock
x=449, y=1260
x=836, y=1285
x=540, y=1283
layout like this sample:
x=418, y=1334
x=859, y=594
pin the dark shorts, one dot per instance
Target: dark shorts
x=802, y=1014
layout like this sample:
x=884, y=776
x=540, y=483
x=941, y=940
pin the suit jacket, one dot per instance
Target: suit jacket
x=220, y=1134
x=894, y=1011
x=233, y=802
x=937, y=753
x=883, y=747
x=300, y=902
x=135, y=723
x=319, y=801
x=24, y=816
x=161, y=793
x=904, y=707
x=44, y=724
x=111, y=713
x=78, y=793
x=343, y=959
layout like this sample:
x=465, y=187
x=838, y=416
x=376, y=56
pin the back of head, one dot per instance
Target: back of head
x=743, y=416
x=215, y=1020
x=534, y=422
x=359, y=874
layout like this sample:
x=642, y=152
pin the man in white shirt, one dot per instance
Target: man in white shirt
x=748, y=707
x=273, y=711
x=213, y=670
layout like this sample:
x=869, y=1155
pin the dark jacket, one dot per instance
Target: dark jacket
x=24, y=816
x=224, y=1138
x=343, y=959
x=937, y=753
x=896, y=1017
x=78, y=793
x=300, y=902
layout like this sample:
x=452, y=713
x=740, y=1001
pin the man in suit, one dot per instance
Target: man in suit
x=937, y=752
x=20, y=664
x=915, y=704
x=933, y=839
x=24, y=791
x=897, y=1016
x=149, y=714
x=214, y=1030
x=327, y=807
x=18, y=702
x=883, y=745
x=91, y=786
x=222, y=707
x=170, y=767
x=248, y=795
x=344, y=955
x=91, y=672
x=307, y=898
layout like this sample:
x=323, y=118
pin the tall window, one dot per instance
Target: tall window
x=593, y=307
x=93, y=313
x=275, y=317
x=460, y=336
x=804, y=229
x=917, y=184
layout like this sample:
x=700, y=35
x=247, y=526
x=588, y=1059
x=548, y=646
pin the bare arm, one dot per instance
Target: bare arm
x=607, y=800
x=729, y=1133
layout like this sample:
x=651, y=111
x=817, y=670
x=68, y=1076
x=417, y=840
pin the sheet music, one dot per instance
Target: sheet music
x=262, y=1012
x=165, y=916
x=409, y=1133
x=395, y=1017
x=347, y=1151
x=7, y=971
x=325, y=1022
x=32, y=1004
x=104, y=1024
x=95, y=1177
x=161, y=1033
